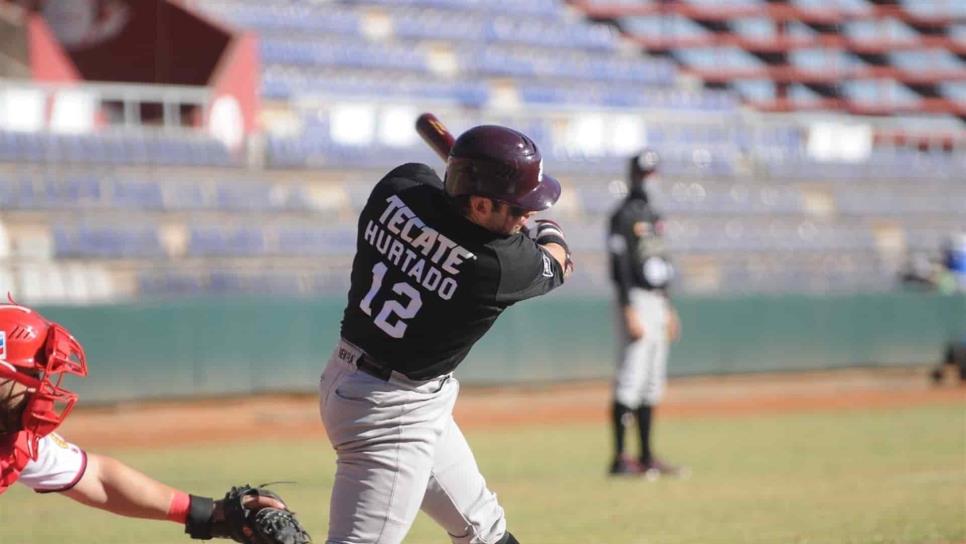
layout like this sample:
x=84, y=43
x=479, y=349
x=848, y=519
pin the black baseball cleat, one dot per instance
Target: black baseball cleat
x=625, y=466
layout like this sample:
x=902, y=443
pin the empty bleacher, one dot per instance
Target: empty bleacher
x=856, y=56
x=751, y=205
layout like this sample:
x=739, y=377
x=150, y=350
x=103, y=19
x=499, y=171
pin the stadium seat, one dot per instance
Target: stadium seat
x=222, y=241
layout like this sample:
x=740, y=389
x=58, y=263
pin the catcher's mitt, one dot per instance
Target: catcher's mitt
x=248, y=522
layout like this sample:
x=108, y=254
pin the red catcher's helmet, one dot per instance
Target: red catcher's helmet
x=38, y=354
x=500, y=163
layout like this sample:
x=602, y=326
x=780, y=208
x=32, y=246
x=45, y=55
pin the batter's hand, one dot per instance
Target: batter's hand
x=673, y=325
x=633, y=325
x=547, y=232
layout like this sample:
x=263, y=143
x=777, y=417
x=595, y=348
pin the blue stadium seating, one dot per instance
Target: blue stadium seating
x=136, y=194
x=232, y=282
x=303, y=44
x=343, y=54
x=743, y=196
x=134, y=148
x=224, y=241
x=152, y=283
x=934, y=8
x=219, y=281
x=316, y=241
x=282, y=18
x=544, y=8
x=108, y=241
x=285, y=84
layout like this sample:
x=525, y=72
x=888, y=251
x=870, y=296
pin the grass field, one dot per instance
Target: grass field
x=854, y=476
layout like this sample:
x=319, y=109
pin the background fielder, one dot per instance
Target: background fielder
x=646, y=321
x=435, y=266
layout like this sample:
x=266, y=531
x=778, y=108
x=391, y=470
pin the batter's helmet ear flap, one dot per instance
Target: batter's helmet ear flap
x=500, y=163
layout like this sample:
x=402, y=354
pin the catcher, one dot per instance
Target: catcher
x=35, y=356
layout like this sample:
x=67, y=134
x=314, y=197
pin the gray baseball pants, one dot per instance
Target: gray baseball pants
x=400, y=451
x=642, y=368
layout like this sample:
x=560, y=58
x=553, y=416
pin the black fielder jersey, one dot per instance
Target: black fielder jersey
x=426, y=282
x=638, y=257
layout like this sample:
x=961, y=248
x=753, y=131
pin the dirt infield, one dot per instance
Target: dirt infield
x=160, y=424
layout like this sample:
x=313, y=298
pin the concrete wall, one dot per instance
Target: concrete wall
x=225, y=346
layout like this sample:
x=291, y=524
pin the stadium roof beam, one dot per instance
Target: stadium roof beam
x=786, y=43
x=830, y=74
x=778, y=12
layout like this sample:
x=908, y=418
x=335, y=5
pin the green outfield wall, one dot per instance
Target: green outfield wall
x=233, y=345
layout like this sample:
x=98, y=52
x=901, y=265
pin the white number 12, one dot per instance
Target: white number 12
x=397, y=329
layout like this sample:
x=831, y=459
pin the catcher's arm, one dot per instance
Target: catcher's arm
x=246, y=514
x=110, y=485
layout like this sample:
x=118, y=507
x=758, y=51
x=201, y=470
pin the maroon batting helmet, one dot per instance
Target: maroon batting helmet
x=500, y=163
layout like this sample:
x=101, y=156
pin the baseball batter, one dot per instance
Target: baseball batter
x=35, y=355
x=646, y=320
x=436, y=263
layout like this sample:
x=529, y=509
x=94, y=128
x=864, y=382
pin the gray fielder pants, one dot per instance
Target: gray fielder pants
x=398, y=451
x=642, y=366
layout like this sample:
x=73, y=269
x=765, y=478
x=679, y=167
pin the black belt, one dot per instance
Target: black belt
x=373, y=368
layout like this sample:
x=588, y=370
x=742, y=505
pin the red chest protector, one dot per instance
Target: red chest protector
x=14, y=456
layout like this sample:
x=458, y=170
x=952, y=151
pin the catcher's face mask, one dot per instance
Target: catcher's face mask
x=38, y=354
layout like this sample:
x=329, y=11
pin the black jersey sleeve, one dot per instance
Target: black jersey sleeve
x=619, y=241
x=526, y=270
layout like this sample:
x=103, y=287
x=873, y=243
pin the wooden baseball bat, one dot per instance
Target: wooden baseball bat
x=435, y=134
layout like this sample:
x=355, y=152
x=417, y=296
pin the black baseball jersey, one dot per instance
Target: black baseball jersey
x=426, y=282
x=637, y=254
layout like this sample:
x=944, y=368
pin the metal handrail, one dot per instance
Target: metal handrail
x=130, y=96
